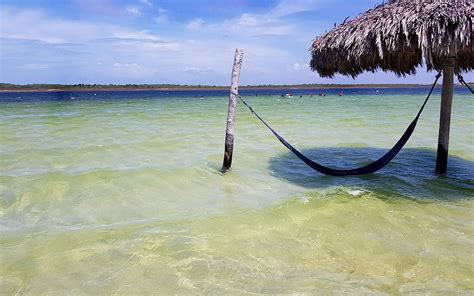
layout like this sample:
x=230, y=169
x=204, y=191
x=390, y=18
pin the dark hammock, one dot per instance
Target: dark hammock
x=367, y=169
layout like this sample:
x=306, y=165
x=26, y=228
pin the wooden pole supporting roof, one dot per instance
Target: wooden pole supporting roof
x=445, y=116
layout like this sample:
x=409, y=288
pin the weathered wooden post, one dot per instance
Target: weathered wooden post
x=445, y=116
x=234, y=88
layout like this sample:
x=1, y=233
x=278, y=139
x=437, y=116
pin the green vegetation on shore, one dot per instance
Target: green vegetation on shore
x=99, y=87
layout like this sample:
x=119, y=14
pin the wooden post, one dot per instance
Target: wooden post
x=229, y=132
x=445, y=116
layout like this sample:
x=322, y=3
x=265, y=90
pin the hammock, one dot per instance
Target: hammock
x=367, y=169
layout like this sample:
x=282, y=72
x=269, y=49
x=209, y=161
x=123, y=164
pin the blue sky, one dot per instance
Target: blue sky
x=182, y=42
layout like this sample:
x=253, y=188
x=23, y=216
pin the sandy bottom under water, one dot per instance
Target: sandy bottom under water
x=109, y=195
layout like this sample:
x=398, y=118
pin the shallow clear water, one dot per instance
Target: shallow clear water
x=121, y=192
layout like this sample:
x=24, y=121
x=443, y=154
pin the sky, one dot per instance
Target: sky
x=171, y=41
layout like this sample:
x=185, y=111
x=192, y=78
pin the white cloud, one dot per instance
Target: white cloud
x=36, y=25
x=146, y=2
x=104, y=53
x=33, y=24
x=141, y=35
x=133, y=10
x=255, y=25
x=140, y=46
x=195, y=24
x=125, y=65
x=33, y=66
x=287, y=7
x=107, y=7
x=131, y=71
x=161, y=19
x=72, y=51
x=197, y=70
x=246, y=20
x=269, y=23
x=119, y=54
x=300, y=67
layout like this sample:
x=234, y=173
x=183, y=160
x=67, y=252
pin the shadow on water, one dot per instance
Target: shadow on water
x=411, y=174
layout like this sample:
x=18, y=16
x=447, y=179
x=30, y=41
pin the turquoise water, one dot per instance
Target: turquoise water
x=121, y=193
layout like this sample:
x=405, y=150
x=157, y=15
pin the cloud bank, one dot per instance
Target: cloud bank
x=145, y=41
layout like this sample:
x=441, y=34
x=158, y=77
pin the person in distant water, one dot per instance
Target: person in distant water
x=282, y=95
x=311, y=95
x=341, y=93
x=301, y=96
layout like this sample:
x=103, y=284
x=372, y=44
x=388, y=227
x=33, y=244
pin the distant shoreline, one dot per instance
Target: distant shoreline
x=67, y=88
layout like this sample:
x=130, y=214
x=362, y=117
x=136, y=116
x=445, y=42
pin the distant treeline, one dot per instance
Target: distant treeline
x=83, y=86
x=36, y=86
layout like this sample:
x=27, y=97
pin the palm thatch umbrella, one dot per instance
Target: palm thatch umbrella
x=400, y=36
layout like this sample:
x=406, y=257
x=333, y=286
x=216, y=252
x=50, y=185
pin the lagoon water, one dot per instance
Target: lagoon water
x=121, y=193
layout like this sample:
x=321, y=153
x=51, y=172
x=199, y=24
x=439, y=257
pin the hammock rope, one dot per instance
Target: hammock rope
x=463, y=82
x=367, y=169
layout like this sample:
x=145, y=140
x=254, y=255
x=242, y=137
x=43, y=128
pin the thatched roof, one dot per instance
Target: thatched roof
x=398, y=36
